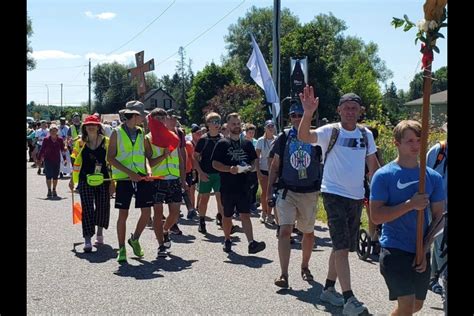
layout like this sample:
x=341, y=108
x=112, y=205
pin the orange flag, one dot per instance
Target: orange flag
x=76, y=211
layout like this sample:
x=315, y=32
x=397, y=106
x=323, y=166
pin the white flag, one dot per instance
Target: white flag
x=260, y=74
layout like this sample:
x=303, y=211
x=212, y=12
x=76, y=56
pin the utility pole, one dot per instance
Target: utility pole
x=276, y=54
x=61, y=99
x=47, y=91
x=90, y=81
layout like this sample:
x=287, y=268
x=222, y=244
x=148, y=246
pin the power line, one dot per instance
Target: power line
x=146, y=27
x=48, y=68
x=204, y=32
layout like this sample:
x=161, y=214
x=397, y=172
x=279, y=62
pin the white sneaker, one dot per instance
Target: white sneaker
x=332, y=296
x=263, y=218
x=87, y=247
x=99, y=240
x=353, y=307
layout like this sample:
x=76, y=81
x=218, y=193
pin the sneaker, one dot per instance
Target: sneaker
x=87, y=247
x=330, y=295
x=234, y=229
x=122, y=255
x=435, y=287
x=175, y=230
x=219, y=219
x=162, y=252
x=227, y=245
x=54, y=193
x=353, y=307
x=202, y=228
x=99, y=240
x=135, y=244
x=256, y=246
x=282, y=281
x=39, y=171
x=253, y=208
x=191, y=214
x=263, y=218
x=271, y=219
x=50, y=194
x=167, y=241
x=306, y=275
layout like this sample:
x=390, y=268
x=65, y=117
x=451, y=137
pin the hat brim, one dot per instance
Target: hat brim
x=91, y=123
x=127, y=111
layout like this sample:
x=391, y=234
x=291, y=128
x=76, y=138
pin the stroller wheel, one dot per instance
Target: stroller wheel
x=363, y=244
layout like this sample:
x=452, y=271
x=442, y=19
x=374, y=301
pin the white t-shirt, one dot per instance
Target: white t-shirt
x=265, y=145
x=107, y=129
x=40, y=134
x=344, y=169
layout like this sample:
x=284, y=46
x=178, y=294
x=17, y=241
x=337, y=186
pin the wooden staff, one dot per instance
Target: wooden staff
x=424, y=145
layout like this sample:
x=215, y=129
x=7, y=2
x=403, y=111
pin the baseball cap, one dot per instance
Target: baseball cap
x=350, y=97
x=91, y=120
x=173, y=113
x=269, y=122
x=195, y=128
x=296, y=107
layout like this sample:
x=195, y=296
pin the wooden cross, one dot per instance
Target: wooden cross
x=139, y=72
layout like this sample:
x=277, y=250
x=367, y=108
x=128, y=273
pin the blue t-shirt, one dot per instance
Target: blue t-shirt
x=393, y=185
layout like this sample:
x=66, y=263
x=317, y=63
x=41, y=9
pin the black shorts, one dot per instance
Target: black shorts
x=167, y=191
x=142, y=190
x=400, y=277
x=235, y=202
x=264, y=172
x=51, y=169
x=343, y=220
x=192, y=177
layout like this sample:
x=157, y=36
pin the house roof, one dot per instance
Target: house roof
x=152, y=92
x=436, y=98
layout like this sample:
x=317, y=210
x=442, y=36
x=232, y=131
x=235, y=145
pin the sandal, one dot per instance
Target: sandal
x=282, y=281
x=306, y=275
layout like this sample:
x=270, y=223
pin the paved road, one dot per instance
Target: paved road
x=198, y=277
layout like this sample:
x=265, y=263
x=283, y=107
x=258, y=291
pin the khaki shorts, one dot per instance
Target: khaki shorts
x=299, y=207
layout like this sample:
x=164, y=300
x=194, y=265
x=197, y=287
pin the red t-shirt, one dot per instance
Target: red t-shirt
x=51, y=150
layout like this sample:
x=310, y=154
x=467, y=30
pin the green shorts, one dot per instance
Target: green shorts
x=214, y=183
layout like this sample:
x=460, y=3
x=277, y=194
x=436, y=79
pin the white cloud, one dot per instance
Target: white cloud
x=120, y=58
x=106, y=16
x=101, y=16
x=53, y=54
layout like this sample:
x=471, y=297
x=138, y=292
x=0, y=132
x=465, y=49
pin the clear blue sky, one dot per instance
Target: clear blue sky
x=68, y=33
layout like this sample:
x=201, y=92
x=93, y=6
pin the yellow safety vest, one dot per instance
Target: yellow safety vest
x=74, y=132
x=131, y=156
x=77, y=156
x=167, y=168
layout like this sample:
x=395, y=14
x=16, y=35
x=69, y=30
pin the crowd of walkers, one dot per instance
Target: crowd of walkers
x=148, y=156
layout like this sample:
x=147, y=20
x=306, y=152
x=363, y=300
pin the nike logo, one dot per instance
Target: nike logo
x=402, y=186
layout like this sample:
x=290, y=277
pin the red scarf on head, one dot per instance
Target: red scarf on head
x=162, y=136
x=427, y=56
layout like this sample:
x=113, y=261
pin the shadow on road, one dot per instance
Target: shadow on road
x=218, y=239
x=183, y=239
x=145, y=271
x=250, y=261
x=311, y=296
x=99, y=254
x=173, y=263
x=149, y=270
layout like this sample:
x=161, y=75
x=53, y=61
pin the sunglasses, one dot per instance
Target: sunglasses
x=270, y=126
x=215, y=122
x=296, y=115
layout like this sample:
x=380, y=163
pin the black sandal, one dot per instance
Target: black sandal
x=306, y=275
x=282, y=281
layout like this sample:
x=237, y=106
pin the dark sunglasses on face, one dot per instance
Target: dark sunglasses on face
x=270, y=126
x=296, y=115
x=215, y=122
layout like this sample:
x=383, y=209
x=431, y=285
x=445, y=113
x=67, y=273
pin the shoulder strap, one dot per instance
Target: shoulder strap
x=332, y=141
x=441, y=154
x=364, y=136
x=283, y=140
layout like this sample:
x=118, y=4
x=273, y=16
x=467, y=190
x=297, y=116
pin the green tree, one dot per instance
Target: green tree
x=257, y=21
x=206, y=85
x=30, y=61
x=243, y=98
x=440, y=83
x=327, y=49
